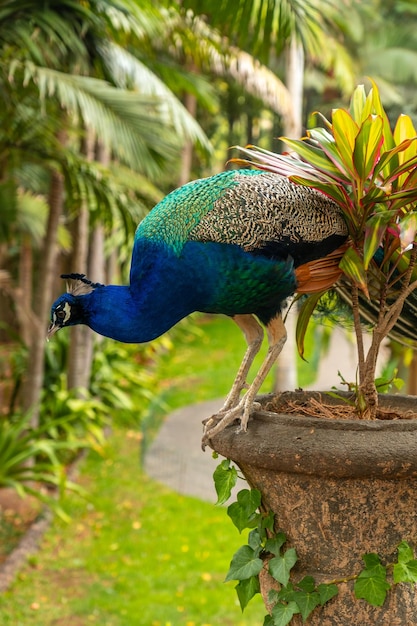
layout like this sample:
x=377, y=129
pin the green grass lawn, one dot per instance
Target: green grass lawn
x=135, y=553
x=207, y=358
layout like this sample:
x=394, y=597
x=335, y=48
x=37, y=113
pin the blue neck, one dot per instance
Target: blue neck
x=113, y=311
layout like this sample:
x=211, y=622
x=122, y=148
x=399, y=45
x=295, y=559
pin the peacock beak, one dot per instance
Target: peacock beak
x=52, y=329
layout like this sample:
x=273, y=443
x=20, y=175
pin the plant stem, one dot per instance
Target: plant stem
x=358, y=331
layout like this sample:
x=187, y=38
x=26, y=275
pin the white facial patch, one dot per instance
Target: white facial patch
x=62, y=319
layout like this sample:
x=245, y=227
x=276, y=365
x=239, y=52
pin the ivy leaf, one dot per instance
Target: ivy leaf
x=306, y=602
x=405, y=571
x=268, y=621
x=244, y=564
x=285, y=594
x=275, y=544
x=371, y=559
x=282, y=614
x=225, y=478
x=307, y=584
x=280, y=566
x=246, y=589
x=242, y=512
x=371, y=584
x=327, y=592
x=254, y=539
x=268, y=521
x=405, y=552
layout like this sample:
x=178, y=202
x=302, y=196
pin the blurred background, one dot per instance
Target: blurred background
x=106, y=106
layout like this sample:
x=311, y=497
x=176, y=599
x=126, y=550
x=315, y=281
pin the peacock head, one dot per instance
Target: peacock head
x=67, y=310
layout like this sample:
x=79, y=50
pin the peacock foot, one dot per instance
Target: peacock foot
x=219, y=421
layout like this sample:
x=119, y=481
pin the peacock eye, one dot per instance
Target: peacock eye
x=60, y=315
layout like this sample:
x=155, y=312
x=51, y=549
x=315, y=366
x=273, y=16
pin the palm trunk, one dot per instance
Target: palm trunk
x=96, y=263
x=190, y=102
x=79, y=364
x=286, y=375
x=42, y=301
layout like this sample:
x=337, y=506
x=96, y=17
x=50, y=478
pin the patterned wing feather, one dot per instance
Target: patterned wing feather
x=265, y=213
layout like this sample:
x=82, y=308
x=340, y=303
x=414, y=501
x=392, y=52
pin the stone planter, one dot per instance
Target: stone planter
x=339, y=489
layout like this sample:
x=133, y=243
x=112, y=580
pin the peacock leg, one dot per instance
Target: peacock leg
x=254, y=335
x=277, y=336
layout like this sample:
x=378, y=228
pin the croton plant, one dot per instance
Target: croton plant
x=369, y=168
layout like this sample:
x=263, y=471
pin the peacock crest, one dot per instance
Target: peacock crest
x=79, y=285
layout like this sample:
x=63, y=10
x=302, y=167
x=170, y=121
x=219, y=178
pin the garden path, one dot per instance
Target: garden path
x=175, y=457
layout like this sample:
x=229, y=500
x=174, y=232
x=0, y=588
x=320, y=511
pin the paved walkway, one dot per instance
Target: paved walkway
x=175, y=457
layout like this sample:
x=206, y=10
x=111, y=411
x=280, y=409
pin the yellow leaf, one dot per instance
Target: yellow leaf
x=403, y=131
x=345, y=131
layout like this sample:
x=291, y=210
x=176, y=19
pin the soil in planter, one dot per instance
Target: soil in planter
x=318, y=407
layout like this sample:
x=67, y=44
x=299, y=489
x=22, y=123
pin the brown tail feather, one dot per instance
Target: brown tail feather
x=320, y=274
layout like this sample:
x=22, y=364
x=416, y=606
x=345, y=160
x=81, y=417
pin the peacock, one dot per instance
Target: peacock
x=238, y=243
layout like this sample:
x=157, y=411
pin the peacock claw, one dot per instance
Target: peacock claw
x=219, y=421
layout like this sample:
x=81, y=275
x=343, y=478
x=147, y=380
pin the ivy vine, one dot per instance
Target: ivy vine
x=265, y=544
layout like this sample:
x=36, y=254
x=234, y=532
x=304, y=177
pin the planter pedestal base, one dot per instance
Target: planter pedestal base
x=339, y=489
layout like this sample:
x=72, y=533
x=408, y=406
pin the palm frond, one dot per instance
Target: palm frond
x=267, y=25
x=135, y=127
x=127, y=70
x=113, y=194
x=255, y=78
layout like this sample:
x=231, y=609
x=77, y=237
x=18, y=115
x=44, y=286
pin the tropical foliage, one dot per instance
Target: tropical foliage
x=369, y=170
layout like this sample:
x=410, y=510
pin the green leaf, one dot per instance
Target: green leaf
x=357, y=104
x=329, y=147
x=371, y=559
x=327, y=592
x=244, y=564
x=303, y=318
x=368, y=146
x=280, y=566
x=345, y=131
x=353, y=267
x=331, y=189
x=375, y=230
x=275, y=544
x=404, y=131
x=405, y=571
x=268, y=521
x=285, y=594
x=268, y=621
x=405, y=552
x=378, y=109
x=242, y=512
x=254, y=539
x=246, y=589
x=307, y=584
x=225, y=478
x=371, y=584
x=306, y=602
x=408, y=229
x=315, y=156
x=282, y=614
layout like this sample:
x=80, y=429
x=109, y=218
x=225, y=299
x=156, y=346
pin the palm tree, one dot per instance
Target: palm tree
x=49, y=56
x=291, y=30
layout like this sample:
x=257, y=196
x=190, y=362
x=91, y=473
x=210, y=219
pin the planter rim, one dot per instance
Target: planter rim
x=325, y=446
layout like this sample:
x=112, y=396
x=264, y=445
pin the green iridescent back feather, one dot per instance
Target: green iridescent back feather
x=190, y=203
x=249, y=208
